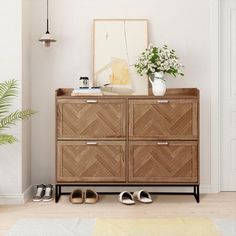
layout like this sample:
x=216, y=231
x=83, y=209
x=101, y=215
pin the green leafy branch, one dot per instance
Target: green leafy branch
x=7, y=139
x=8, y=91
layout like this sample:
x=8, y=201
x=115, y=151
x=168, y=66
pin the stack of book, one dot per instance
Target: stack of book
x=93, y=91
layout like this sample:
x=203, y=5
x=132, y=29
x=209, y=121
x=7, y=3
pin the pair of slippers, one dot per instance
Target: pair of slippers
x=129, y=199
x=78, y=196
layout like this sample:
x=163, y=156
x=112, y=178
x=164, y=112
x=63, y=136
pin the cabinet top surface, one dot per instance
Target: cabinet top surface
x=170, y=93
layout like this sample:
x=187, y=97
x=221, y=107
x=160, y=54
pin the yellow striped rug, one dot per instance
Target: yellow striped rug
x=155, y=227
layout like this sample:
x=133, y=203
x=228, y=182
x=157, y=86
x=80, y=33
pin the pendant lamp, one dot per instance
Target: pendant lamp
x=47, y=38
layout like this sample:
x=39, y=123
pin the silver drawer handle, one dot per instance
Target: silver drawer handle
x=91, y=143
x=163, y=101
x=163, y=143
x=91, y=101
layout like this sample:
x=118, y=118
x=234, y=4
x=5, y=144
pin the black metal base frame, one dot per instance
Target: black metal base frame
x=195, y=193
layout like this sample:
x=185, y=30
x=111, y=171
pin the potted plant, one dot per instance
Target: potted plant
x=155, y=62
x=8, y=90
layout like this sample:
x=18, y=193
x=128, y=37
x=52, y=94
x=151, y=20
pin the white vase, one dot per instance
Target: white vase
x=158, y=84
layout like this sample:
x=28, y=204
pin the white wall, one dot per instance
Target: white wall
x=15, y=168
x=26, y=96
x=183, y=25
x=10, y=68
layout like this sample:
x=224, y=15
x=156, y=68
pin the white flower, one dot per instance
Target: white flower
x=165, y=60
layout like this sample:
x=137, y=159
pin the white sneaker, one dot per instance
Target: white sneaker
x=40, y=191
x=48, y=193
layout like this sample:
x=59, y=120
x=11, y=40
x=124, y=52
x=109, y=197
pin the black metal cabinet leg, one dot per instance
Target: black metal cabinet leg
x=57, y=193
x=197, y=193
x=59, y=190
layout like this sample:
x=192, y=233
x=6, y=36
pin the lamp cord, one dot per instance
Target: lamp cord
x=47, y=20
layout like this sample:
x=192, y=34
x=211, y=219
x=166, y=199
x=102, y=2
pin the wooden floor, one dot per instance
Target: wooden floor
x=221, y=205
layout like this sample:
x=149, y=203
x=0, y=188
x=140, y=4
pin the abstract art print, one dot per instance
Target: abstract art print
x=117, y=46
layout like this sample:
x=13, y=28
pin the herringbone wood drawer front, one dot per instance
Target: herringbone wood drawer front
x=81, y=161
x=91, y=119
x=163, y=162
x=173, y=119
x=162, y=139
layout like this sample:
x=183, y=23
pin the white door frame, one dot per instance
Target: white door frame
x=215, y=96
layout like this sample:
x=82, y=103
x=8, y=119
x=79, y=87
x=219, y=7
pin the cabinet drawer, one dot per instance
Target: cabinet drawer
x=173, y=119
x=89, y=161
x=91, y=119
x=163, y=162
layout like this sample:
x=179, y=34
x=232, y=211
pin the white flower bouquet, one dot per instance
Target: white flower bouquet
x=159, y=59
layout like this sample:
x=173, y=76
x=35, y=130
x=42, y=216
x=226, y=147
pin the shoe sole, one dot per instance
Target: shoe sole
x=47, y=200
x=37, y=200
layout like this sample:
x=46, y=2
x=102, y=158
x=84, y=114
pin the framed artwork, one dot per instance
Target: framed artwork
x=117, y=46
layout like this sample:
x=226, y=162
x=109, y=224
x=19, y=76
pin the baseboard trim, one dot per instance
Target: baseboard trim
x=205, y=189
x=28, y=193
x=16, y=199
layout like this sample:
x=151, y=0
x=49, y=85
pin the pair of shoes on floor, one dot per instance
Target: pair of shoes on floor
x=129, y=199
x=78, y=196
x=43, y=193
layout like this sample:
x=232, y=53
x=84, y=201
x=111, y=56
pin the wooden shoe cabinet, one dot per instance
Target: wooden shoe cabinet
x=128, y=140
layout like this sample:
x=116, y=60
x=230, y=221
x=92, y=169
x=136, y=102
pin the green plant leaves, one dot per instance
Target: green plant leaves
x=156, y=59
x=9, y=90
x=11, y=119
x=7, y=139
